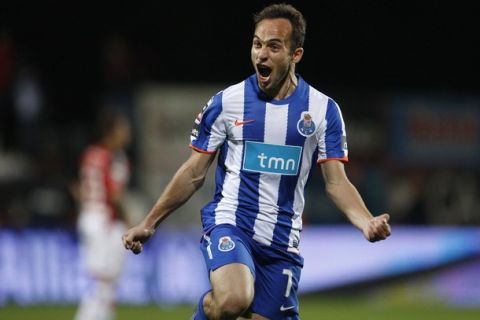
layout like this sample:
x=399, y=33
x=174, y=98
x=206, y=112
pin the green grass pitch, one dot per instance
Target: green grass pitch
x=311, y=308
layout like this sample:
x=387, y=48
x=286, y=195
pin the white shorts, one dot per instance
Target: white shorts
x=101, y=244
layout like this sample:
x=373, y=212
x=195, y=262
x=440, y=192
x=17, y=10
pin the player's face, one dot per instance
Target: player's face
x=271, y=53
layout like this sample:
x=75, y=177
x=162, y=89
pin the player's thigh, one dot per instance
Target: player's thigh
x=116, y=255
x=229, y=261
x=94, y=239
x=276, y=289
x=234, y=279
x=101, y=245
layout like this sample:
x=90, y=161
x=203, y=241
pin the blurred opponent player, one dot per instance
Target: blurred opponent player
x=104, y=173
x=269, y=131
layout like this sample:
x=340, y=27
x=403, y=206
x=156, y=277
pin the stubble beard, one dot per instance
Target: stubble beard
x=274, y=90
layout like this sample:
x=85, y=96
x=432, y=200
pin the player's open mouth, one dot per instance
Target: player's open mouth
x=263, y=72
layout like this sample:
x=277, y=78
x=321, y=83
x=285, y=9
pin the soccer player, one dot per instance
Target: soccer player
x=104, y=174
x=269, y=132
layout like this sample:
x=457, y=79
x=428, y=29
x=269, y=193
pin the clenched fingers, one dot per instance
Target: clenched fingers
x=134, y=238
x=134, y=245
x=127, y=241
x=379, y=229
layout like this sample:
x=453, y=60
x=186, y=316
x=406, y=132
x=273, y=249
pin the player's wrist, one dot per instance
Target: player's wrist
x=148, y=227
x=365, y=227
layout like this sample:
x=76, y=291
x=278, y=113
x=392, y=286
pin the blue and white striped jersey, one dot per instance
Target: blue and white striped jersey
x=267, y=149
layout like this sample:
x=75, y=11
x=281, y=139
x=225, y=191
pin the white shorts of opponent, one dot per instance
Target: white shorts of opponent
x=101, y=245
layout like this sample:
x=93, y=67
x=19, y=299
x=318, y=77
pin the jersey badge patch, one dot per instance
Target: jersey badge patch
x=225, y=244
x=305, y=126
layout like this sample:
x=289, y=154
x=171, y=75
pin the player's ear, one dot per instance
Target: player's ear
x=297, y=55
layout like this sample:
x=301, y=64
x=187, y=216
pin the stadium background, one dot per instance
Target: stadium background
x=405, y=74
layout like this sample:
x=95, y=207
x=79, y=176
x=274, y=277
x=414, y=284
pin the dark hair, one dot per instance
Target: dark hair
x=107, y=118
x=287, y=11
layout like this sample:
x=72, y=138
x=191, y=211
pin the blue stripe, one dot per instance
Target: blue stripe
x=208, y=211
x=248, y=193
x=220, y=172
x=334, y=132
x=286, y=192
x=313, y=167
x=210, y=114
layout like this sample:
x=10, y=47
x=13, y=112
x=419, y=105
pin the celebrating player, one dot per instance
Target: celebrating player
x=269, y=132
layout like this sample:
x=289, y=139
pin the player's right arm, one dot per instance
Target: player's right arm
x=188, y=179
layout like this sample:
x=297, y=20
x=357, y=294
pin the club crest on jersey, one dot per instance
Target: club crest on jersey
x=305, y=126
x=225, y=244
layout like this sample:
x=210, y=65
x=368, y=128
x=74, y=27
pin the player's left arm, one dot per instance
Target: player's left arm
x=347, y=199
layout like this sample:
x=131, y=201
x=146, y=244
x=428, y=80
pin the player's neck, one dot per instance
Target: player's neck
x=288, y=87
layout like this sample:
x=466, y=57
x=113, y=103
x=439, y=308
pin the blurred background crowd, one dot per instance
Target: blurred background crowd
x=404, y=73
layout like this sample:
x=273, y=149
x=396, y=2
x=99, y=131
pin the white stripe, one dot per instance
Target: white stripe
x=317, y=108
x=276, y=118
x=217, y=134
x=209, y=247
x=226, y=208
x=233, y=106
x=319, y=102
x=233, y=94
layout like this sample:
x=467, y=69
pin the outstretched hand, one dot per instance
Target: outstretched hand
x=135, y=237
x=377, y=228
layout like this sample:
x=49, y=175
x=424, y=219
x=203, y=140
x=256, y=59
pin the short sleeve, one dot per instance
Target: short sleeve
x=209, y=131
x=332, y=144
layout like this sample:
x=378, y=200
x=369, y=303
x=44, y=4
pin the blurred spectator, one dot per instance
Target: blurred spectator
x=104, y=174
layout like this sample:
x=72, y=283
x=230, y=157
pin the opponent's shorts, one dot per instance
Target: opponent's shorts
x=101, y=244
x=276, y=272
